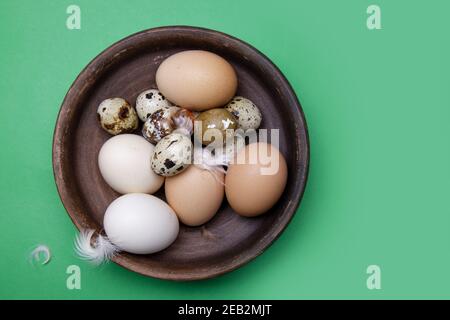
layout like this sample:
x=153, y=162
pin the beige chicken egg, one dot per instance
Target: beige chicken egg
x=197, y=80
x=195, y=194
x=256, y=179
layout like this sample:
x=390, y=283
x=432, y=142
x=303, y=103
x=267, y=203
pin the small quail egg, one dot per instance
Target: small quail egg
x=149, y=101
x=117, y=116
x=172, y=154
x=218, y=119
x=246, y=112
x=159, y=124
x=164, y=121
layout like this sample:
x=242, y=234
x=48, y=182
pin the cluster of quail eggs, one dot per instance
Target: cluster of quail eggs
x=170, y=127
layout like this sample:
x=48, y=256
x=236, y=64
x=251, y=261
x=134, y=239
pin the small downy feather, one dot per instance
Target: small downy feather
x=204, y=158
x=210, y=163
x=101, y=251
x=39, y=252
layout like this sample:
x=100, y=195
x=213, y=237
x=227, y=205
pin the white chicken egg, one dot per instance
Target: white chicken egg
x=149, y=101
x=140, y=223
x=124, y=163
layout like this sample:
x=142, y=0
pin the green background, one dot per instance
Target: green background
x=377, y=106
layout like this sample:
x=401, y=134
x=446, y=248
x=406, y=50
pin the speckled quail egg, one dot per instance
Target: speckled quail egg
x=214, y=124
x=246, y=112
x=117, y=116
x=149, y=101
x=164, y=121
x=172, y=154
x=159, y=124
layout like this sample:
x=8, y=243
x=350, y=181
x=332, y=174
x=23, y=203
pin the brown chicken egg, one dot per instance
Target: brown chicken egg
x=196, y=80
x=256, y=179
x=195, y=194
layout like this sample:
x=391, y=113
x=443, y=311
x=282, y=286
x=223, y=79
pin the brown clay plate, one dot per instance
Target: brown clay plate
x=127, y=68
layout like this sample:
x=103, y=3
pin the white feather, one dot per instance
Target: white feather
x=204, y=158
x=210, y=163
x=101, y=251
x=38, y=252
